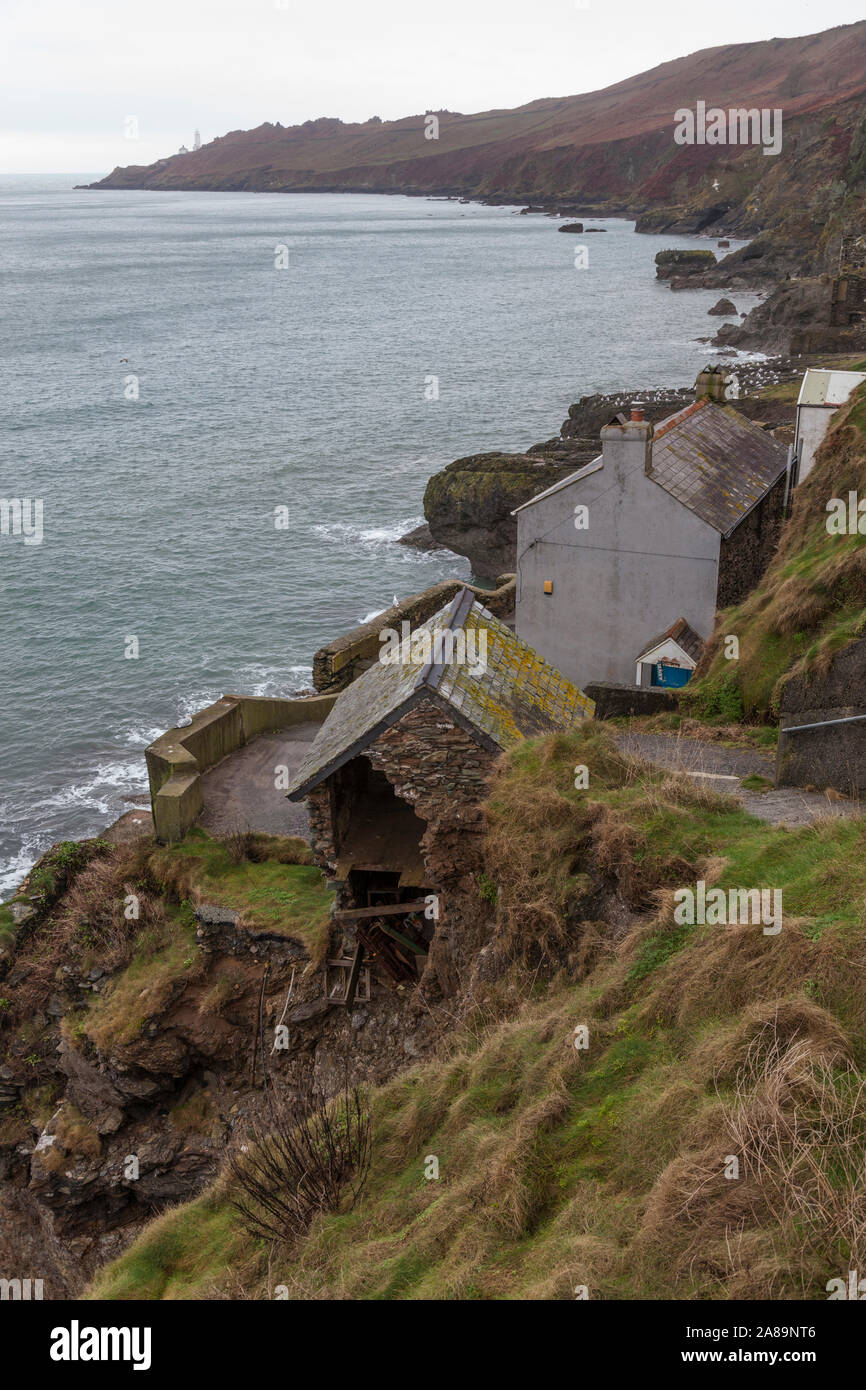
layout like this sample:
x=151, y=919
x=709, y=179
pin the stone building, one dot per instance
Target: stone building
x=396, y=778
x=664, y=526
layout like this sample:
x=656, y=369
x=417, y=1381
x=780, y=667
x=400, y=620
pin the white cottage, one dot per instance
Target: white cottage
x=663, y=528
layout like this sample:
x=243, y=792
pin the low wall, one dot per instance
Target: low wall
x=613, y=700
x=336, y=665
x=176, y=760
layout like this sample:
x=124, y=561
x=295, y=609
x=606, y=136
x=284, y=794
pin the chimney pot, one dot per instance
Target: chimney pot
x=637, y=410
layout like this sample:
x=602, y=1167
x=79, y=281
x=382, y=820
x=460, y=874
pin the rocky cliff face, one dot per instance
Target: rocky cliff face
x=612, y=150
x=133, y=1053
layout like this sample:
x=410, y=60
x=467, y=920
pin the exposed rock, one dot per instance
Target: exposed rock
x=723, y=308
x=469, y=504
x=571, y=227
x=683, y=263
x=420, y=538
x=794, y=318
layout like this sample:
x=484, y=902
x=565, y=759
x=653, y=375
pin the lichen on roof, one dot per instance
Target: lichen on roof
x=491, y=681
x=716, y=462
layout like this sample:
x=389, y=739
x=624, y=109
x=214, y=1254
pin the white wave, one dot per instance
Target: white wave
x=17, y=866
x=349, y=533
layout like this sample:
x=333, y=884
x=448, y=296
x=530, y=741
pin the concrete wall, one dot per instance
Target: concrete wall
x=643, y=562
x=336, y=665
x=813, y=422
x=176, y=760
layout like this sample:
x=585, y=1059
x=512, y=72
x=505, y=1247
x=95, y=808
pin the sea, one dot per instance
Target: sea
x=220, y=411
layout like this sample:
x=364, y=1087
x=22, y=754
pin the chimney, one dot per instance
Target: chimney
x=712, y=382
x=626, y=445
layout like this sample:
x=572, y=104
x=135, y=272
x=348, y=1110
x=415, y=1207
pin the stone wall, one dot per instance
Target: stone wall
x=443, y=773
x=612, y=700
x=320, y=809
x=745, y=555
x=336, y=665
x=833, y=755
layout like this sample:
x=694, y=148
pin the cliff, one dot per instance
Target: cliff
x=611, y=149
x=573, y=1131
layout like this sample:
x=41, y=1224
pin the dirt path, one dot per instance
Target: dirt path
x=239, y=793
x=724, y=768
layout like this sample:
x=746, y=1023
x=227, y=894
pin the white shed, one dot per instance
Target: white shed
x=822, y=392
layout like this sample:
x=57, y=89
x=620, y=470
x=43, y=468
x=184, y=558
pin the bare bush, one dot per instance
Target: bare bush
x=310, y=1156
x=238, y=844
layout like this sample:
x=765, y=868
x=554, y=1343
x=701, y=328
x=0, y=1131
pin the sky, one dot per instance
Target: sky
x=86, y=85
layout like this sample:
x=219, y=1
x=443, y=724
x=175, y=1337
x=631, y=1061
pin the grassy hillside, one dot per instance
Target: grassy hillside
x=612, y=147
x=603, y=1167
x=812, y=599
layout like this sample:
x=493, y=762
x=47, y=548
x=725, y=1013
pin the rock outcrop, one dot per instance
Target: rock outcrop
x=130, y=1065
x=469, y=504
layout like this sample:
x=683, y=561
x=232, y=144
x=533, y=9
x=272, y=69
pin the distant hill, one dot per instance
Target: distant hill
x=611, y=149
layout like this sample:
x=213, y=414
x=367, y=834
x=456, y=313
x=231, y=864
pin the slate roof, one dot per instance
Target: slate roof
x=513, y=694
x=716, y=462
x=680, y=632
x=710, y=458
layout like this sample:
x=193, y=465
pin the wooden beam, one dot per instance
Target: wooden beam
x=354, y=973
x=404, y=940
x=360, y=914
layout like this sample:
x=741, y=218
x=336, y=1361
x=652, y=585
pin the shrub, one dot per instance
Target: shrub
x=311, y=1156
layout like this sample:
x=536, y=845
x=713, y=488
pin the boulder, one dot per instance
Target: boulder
x=723, y=307
x=676, y=264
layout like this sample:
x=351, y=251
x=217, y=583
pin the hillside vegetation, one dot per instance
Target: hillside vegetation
x=604, y=1168
x=610, y=149
x=811, y=601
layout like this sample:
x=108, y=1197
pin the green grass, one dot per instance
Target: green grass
x=7, y=927
x=164, y=955
x=756, y=783
x=811, y=602
x=555, y=1164
x=184, y=1254
x=271, y=895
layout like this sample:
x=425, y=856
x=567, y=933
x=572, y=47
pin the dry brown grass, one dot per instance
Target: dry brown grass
x=794, y=1119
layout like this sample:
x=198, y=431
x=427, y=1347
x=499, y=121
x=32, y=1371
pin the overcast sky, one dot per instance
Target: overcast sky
x=73, y=71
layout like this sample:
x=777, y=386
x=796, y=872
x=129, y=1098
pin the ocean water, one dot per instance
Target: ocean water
x=165, y=387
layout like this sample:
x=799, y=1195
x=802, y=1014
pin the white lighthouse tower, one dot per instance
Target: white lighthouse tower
x=196, y=142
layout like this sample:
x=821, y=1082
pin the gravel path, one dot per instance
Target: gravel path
x=724, y=768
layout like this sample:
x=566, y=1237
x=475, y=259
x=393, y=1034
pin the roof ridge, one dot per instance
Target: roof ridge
x=432, y=672
x=680, y=415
